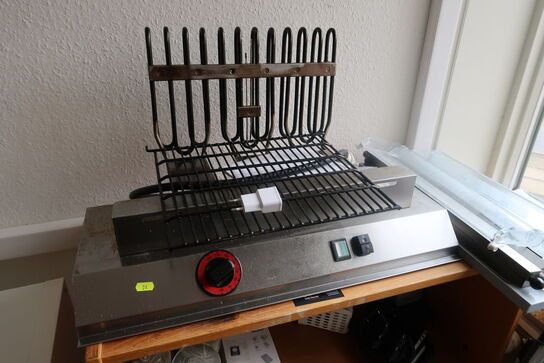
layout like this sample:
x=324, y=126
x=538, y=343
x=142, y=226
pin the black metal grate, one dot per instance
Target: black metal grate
x=317, y=184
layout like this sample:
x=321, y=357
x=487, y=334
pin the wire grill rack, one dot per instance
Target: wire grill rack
x=317, y=185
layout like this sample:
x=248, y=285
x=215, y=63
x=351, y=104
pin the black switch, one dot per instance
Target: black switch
x=361, y=245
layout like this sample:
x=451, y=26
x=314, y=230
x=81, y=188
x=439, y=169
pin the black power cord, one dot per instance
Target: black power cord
x=153, y=189
x=148, y=190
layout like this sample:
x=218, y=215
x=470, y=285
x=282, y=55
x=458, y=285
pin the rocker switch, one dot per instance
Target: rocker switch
x=361, y=245
x=340, y=250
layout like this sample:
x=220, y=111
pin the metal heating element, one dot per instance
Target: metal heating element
x=198, y=183
x=188, y=236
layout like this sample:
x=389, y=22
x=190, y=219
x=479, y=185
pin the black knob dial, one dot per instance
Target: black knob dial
x=219, y=272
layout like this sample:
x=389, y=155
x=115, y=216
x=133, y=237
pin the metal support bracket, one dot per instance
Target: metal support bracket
x=395, y=181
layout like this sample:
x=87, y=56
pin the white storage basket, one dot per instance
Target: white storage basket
x=336, y=321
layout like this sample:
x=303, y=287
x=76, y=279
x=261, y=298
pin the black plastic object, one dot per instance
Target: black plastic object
x=537, y=282
x=329, y=295
x=361, y=245
x=219, y=272
x=393, y=334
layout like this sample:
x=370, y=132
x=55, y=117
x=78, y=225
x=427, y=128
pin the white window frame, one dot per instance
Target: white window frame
x=522, y=111
x=437, y=58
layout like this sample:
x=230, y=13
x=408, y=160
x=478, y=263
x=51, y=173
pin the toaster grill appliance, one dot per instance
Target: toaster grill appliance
x=184, y=250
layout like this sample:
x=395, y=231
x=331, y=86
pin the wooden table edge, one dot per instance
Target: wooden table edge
x=280, y=313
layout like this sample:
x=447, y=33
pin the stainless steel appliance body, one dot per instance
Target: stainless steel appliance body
x=187, y=250
x=275, y=267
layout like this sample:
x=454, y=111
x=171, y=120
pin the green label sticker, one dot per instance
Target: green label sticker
x=145, y=286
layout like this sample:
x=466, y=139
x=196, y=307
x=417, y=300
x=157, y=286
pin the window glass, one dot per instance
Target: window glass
x=532, y=180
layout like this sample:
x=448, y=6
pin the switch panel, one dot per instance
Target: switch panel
x=361, y=245
x=340, y=250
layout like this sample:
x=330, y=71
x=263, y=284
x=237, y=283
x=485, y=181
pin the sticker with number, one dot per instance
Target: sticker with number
x=145, y=286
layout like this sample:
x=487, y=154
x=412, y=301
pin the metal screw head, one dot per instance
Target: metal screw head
x=231, y=71
x=266, y=70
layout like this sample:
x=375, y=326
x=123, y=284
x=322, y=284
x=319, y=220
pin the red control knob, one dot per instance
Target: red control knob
x=218, y=272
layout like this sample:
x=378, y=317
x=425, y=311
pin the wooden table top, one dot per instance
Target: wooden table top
x=173, y=338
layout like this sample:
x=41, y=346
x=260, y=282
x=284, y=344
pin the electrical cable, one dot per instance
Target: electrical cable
x=148, y=190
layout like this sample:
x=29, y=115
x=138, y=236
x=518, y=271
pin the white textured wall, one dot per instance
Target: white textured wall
x=75, y=113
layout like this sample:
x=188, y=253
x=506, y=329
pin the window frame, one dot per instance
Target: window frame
x=438, y=55
x=522, y=111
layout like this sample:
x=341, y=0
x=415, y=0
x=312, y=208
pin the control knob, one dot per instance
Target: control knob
x=218, y=272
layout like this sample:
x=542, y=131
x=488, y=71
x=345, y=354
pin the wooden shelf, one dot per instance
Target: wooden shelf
x=169, y=339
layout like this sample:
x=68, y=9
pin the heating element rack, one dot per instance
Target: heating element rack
x=199, y=182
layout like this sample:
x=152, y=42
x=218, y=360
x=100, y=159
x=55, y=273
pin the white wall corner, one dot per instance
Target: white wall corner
x=39, y=238
x=439, y=49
